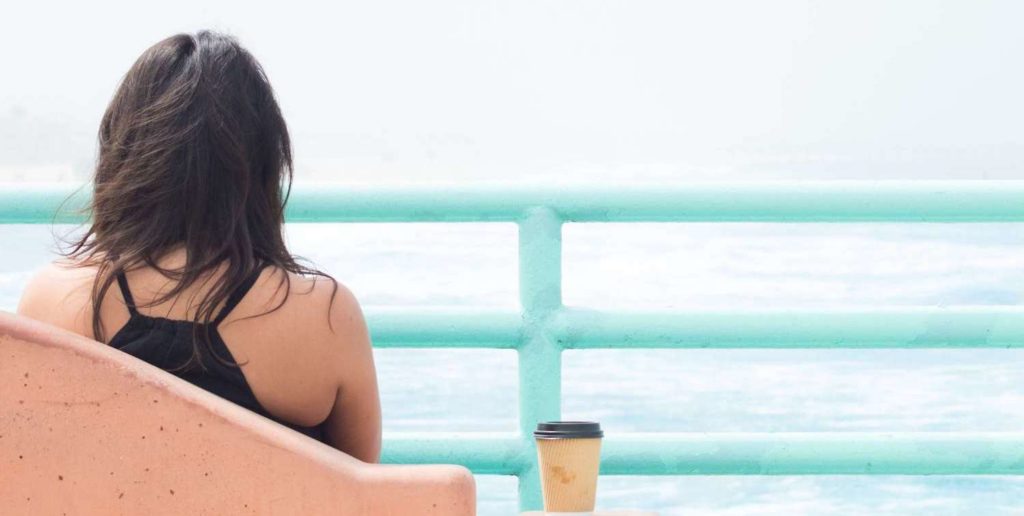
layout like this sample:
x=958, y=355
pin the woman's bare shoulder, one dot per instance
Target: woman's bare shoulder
x=304, y=292
x=317, y=304
x=301, y=334
x=60, y=271
x=60, y=293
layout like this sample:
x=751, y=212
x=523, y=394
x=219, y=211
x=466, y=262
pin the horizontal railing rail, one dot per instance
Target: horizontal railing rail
x=746, y=453
x=544, y=327
x=573, y=328
x=827, y=201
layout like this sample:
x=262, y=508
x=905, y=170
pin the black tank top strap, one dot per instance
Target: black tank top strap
x=126, y=293
x=238, y=294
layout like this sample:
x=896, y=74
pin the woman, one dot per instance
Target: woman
x=184, y=263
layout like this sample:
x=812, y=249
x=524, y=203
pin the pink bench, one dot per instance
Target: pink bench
x=86, y=429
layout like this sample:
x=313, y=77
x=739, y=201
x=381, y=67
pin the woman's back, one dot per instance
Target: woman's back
x=307, y=364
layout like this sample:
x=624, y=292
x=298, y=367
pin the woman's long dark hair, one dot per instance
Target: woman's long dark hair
x=193, y=154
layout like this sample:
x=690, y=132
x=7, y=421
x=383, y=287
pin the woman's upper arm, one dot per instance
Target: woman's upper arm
x=354, y=424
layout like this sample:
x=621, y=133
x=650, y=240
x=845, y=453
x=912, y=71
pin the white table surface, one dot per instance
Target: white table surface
x=614, y=512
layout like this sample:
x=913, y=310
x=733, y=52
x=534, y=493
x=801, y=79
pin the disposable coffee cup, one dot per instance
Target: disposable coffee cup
x=569, y=454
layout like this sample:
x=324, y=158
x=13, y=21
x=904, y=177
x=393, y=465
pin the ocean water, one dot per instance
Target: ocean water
x=692, y=266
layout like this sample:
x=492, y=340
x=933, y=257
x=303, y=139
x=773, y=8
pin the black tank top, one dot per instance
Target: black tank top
x=167, y=344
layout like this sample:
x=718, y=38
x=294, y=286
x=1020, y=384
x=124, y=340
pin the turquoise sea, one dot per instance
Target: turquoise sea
x=693, y=266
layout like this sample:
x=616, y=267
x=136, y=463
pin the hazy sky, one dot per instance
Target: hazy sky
x=668, y=90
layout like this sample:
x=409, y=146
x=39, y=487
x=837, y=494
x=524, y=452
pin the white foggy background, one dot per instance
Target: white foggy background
x=626, y=92
x=560, y=90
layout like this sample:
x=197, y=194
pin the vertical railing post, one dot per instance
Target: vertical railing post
x=540, y=359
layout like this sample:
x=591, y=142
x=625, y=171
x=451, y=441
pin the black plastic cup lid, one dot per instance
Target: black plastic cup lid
x=568, y=430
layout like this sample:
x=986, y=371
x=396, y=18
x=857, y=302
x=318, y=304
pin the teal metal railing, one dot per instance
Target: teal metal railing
x=544, y=327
